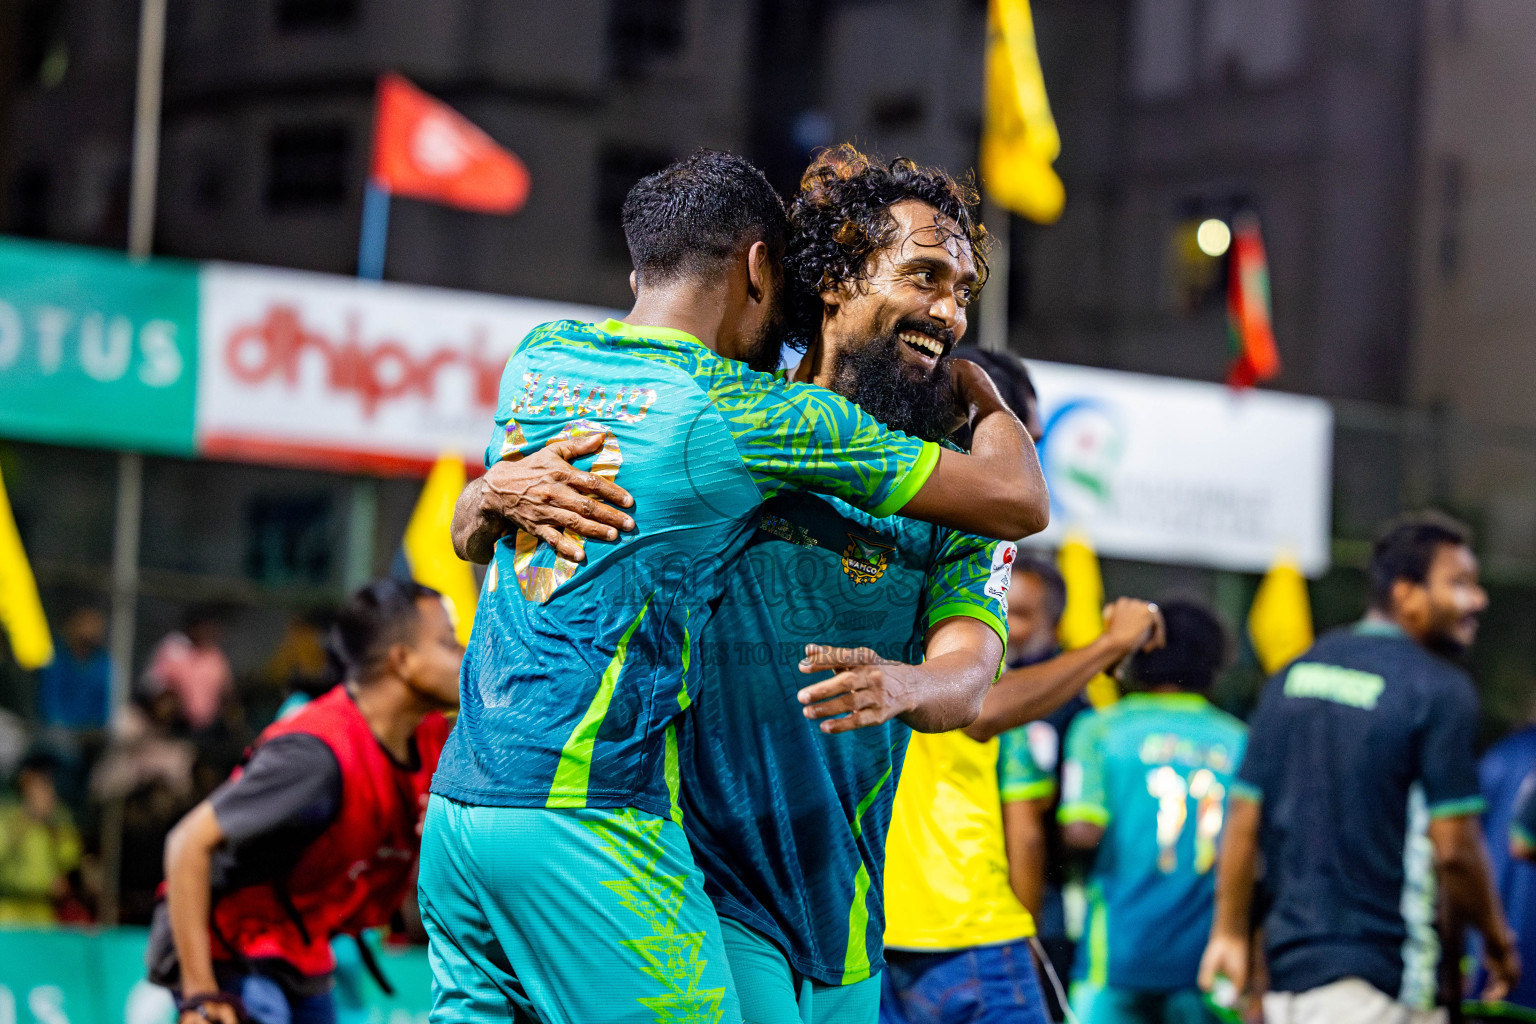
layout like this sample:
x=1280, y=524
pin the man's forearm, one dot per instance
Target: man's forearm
x=1236, y=869
x=1466, y=880
x=950, y=690
x=476, y=531
x=999, y=438
x=1025, y=694
x=188, y=897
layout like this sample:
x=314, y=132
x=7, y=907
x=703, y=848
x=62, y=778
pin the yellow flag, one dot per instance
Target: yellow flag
x=428, y=544
x=1280, y=621
x=21, y=610
x=1083, y=618
x=1019, y=141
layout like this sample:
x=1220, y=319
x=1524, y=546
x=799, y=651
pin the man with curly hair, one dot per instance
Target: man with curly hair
x=788, y=817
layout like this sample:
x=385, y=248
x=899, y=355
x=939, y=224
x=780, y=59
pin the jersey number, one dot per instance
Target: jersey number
x=538, y=582
x=1173, y=794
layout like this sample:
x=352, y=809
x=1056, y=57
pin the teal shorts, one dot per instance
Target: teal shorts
x=568, y=916
x=1096, y=1004
x=773, y=993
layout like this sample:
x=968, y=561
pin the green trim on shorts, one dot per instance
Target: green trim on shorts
x=1071, y=814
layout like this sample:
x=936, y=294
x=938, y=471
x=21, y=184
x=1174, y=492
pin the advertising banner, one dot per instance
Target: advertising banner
x=95, y=350
x=322, y=370
x=1179, y=471
x=73, y=976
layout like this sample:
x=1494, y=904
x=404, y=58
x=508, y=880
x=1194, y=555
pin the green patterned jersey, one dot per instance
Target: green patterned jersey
x=576, y=674
x=788, y=823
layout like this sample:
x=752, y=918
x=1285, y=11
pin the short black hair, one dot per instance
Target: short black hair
x=1195, y=652
x=1405, y=548
x=691, y=219
x=1046, y=571
x=842, y=217
x=374, y=619
x=1008, y=372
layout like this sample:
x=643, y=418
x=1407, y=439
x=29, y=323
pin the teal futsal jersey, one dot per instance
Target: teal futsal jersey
x=575, y=674
x=1155, y=770
x=787, y=823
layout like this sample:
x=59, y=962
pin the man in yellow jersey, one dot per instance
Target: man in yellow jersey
x=956, y=933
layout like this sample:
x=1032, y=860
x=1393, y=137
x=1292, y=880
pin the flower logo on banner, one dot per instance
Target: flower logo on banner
x=1080, y=451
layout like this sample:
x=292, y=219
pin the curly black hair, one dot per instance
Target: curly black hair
x=841, y=218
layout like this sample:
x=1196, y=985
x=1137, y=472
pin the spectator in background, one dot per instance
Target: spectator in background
x=1504, y=775
x=1145, y=787
x=191, y=664
x=1359, y=791
x=75, y=690
x=39, y=847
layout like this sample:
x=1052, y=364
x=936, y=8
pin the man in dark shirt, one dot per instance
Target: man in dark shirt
x=1359, y=792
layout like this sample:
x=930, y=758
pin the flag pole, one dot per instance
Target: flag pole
x=994, y=297
x=374, y=239
x=130, y=465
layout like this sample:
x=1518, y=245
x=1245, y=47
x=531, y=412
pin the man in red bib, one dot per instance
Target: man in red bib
x=318, y=833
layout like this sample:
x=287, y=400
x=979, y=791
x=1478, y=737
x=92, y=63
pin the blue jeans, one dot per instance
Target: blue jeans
x=267, y=1003
x=984, y=985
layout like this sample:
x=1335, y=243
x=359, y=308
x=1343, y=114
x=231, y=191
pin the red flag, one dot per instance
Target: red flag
x=424, y=149
x=1250, y=332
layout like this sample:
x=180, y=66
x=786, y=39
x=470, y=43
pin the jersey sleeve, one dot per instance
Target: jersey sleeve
x=1261, y=753
x=1447, y=766
x=1019, y=775
x=291, y=783
x=1522, y=823
x=800, y=437
x=970, y=576
x=1083, y=797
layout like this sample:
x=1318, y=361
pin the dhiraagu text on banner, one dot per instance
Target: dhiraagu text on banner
x=95, y=350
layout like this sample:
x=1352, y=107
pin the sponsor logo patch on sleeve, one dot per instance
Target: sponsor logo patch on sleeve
x=1002, y=570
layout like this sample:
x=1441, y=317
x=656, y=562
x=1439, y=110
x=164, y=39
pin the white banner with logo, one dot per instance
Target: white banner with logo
x=1168, y=470
x=312, y=368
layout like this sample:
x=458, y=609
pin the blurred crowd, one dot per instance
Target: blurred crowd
x=88, y=790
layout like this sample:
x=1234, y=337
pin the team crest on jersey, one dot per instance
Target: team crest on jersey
x=864, y=561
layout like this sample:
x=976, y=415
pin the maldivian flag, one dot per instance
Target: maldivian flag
x=1250, y=330
x=424, y=149
x=1083, y=618
x=21, y=610
x=1280, y=621
x=1019, y=140
x=428, y=545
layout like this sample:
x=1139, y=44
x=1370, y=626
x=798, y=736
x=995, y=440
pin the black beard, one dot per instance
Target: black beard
x=876, y=378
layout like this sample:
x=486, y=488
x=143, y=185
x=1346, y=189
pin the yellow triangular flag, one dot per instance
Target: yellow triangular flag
x=1280, y=621
x=428, y=544
x=1083, y=618
x=21, y=610
x=1019, y=140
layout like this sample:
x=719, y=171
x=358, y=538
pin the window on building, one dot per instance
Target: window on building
x=290, y=539
x=618, y=169
x=307, y=167
x=315, y=15
x=31, y=190
x=1249, y=43
x=642, y=31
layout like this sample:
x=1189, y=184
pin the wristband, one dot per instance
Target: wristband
x=201, y=1000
